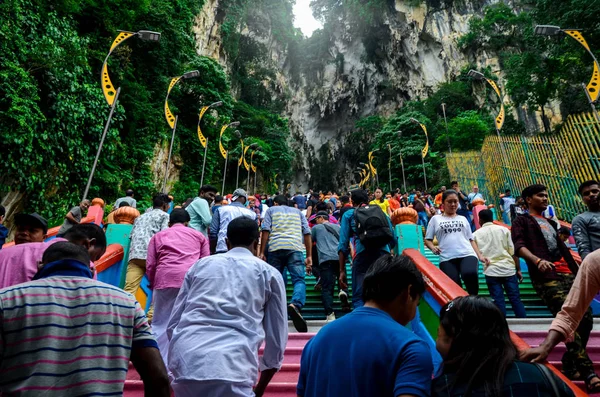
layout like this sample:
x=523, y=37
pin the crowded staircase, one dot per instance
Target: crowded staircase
x=284, y=382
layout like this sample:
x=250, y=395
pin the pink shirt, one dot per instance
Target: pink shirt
x=584, y=289
x=19, y=263
x=171, y=253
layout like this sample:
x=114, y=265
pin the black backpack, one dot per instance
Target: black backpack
x=372, y=227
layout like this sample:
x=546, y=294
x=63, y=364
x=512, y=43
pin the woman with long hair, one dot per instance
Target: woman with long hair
x=380, y=201
x=459, y=255
x=480, y=359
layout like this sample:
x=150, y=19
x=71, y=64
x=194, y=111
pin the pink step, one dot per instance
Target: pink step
x=283, y=383
x=534, y=338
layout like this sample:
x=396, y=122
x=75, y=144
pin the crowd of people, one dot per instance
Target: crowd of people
x=218, y=266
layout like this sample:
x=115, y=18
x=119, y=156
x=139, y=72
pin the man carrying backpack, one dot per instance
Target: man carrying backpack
x=372, y=234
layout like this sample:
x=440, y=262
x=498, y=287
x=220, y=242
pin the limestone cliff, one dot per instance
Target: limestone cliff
x=412, y=51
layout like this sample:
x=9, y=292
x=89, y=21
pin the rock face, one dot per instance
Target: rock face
x=412, y=52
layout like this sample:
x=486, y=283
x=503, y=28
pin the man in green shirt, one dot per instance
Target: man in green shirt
x=199, y=209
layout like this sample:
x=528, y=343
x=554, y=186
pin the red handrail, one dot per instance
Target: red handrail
x=443, y=289
x=114, y=253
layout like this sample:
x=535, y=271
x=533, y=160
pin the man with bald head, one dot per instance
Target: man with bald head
x=74, y=216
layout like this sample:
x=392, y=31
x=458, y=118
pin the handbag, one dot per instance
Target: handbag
x=549, y=378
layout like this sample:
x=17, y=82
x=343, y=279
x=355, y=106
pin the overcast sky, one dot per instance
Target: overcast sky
x=304, y=18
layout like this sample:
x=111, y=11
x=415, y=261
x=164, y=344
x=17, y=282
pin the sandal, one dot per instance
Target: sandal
x=592, y=387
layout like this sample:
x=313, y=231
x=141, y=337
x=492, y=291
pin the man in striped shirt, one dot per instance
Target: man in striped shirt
x=285, y=230
x=65, y=334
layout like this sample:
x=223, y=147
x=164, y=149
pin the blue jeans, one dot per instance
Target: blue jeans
x=360, y=265
x=423, y=218
x=293, y=261
x=511, y=287
x=506, y=218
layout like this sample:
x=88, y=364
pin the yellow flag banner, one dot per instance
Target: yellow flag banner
x=425, y=150
x=241, y=160
x=500, y=118
x=246, y=165
x=223, y=151
x=201, y=136
x=169, y=116
x=373, y=169
x=253, y=168
x=275, y=181
x=594, y=84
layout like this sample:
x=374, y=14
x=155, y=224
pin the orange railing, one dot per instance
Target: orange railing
x=443, y=289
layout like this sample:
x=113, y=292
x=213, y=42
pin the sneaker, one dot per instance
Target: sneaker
x=344, y=300
x=331, y=317
x=297, y=319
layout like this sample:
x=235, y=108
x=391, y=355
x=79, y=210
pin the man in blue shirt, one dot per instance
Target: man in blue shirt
x=369, y=352
x=364, y=258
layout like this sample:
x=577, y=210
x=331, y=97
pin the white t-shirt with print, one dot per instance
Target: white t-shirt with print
x=453, y=234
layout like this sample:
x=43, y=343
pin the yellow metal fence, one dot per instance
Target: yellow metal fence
x=561, y=162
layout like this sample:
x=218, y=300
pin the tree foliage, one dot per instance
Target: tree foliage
x=52, y=111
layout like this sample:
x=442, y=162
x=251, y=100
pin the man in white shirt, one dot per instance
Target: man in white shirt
x=224, y=215
x=228, y=305
x=504, y=270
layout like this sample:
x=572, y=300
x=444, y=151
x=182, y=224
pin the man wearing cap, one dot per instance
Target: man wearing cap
x=74, y=216
x=31, y=228
x=224, y=215
x=65, y=334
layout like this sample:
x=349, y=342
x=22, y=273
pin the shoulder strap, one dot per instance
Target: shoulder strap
x=332, y=230
x=549, y=379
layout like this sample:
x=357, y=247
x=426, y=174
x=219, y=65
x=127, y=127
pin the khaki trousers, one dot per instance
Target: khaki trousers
x=136, y=268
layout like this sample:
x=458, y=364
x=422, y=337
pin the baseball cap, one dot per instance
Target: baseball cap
x=322, y=214
x=239, y=193
x=32, y=219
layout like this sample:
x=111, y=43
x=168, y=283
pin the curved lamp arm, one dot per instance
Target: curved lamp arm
x=424, y=128
x=594, y=85
x=221, y=148
x=500, y=117
x=203, y=110
x=107, y=86
x=188, y=75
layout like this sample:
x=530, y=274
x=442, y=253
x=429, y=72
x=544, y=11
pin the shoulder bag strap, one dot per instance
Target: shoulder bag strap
x=332, y=230
x=549, y=379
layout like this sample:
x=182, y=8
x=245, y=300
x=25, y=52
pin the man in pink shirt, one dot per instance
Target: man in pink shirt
x=171, y=253
x=19, y=263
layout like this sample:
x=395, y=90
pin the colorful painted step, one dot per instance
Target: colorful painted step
x=534, y=338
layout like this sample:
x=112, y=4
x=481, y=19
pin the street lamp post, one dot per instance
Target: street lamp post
x=253, y=168
x=110, y=94
x=424, y=150
x=224, y=152
x=390, y=166
x=593, y=87
x=202, y=138
x=446, y=123
x=247, y=166
x=172, y=120
x=240, y=160
x=499, y=121
x=402, y=163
